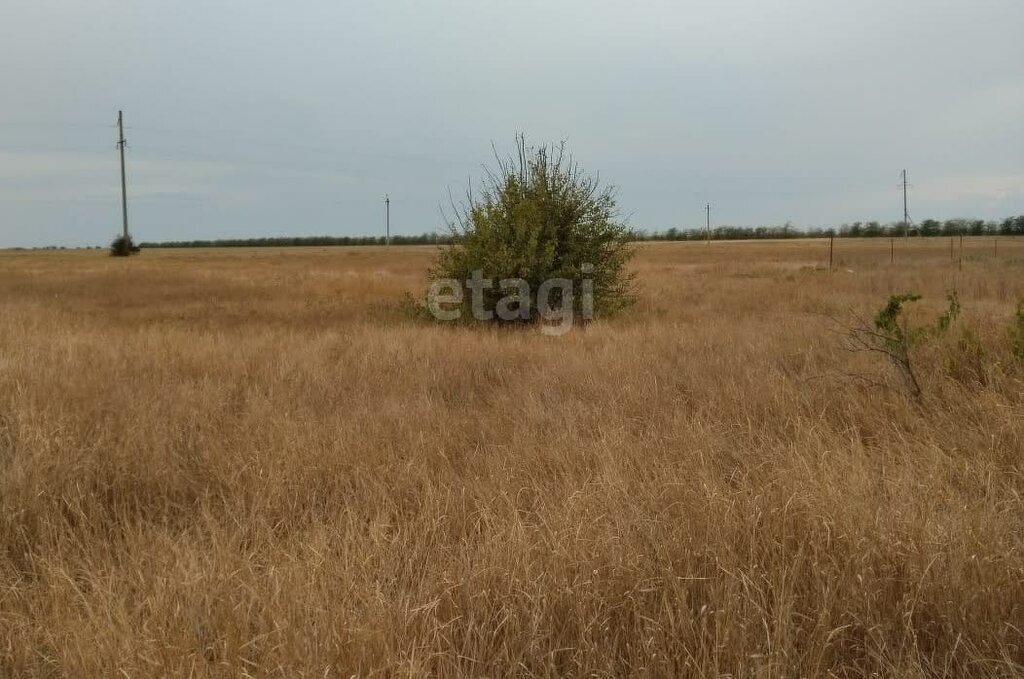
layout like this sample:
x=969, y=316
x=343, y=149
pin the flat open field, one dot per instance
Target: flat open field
x=250, y=462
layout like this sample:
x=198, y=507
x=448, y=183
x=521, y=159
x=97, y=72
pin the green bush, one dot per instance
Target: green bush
x=892, y=336
x=539, y=217
x=123, y=246
x=894, y=339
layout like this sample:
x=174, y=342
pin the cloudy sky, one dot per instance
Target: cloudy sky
x=270, y=118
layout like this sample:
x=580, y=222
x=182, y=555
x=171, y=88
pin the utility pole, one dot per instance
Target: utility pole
x=121, y=142
x=387, y=219
x=906, y=214
x=707, y=211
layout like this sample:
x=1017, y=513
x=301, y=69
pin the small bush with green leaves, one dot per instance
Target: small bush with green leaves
x=539, y=217
x=950, y=314
x=123, y=246
x=892, y=336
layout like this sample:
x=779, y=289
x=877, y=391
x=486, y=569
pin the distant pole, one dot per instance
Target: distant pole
x=124, y=186
x=906, y=213
x=707, y=221
x=387, y=219
x=831, y=244
x=892, y=250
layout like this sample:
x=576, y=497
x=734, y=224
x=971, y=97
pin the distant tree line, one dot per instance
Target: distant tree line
x=298, y=241
x=1011, y=226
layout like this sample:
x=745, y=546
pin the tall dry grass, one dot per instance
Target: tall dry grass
x=246, y=462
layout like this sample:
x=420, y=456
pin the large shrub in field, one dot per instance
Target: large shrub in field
x=123, y=246
x=539, y=217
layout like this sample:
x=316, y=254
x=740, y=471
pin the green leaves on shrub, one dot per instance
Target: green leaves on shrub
x=950, y=314
x=893, y=337
x=123, y=246
x=887, y=322
x=539, y=217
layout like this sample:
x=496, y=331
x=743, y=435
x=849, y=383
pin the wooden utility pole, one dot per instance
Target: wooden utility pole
x=906, y=213
x=707, y=221
x=124, y=187
x=387, y=219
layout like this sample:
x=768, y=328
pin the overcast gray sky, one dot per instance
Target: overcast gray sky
x=271, y=118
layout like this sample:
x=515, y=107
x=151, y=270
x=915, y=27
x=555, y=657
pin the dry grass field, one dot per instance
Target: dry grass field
x=251, y=463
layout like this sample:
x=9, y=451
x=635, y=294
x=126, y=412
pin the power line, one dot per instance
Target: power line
x=91, y=126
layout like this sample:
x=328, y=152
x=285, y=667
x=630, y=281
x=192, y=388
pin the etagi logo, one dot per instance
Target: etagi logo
x=445, y=300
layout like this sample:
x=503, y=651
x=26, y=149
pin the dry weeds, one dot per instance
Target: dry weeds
x=220, y=463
